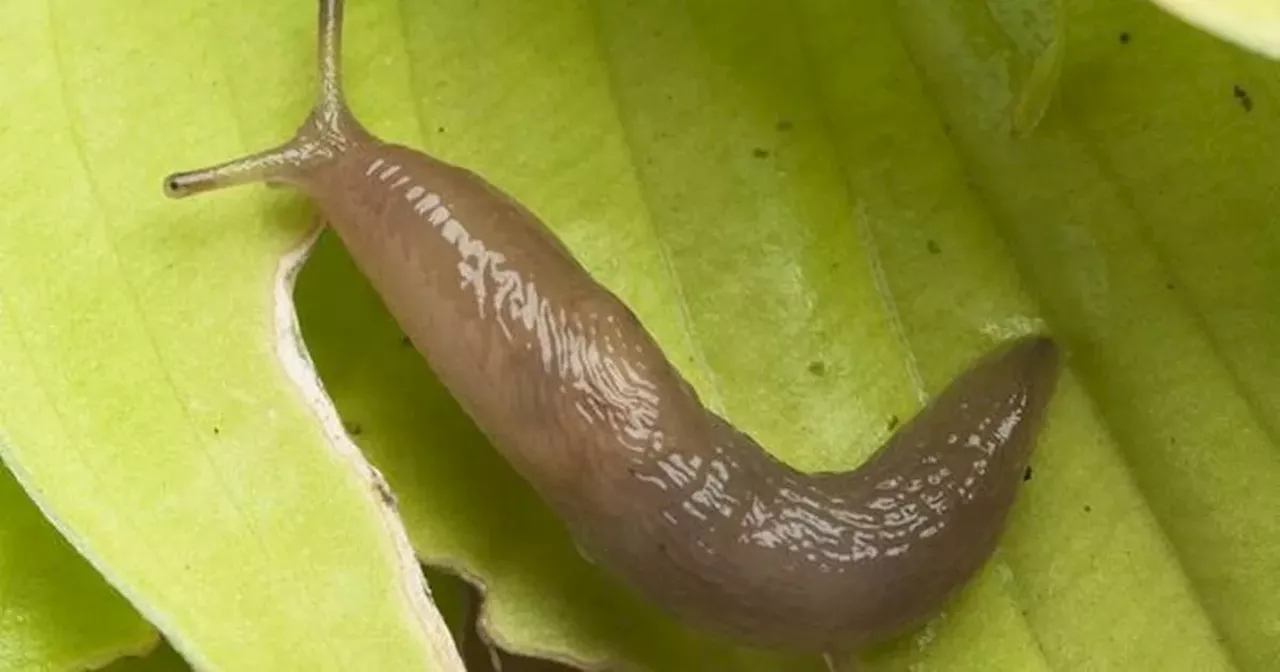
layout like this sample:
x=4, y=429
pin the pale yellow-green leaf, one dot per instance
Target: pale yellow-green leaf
x=149, y=405
x=55, y=611
x=1253, y=24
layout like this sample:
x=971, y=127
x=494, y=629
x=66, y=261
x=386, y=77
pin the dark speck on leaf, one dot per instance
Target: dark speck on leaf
x=1243, y=96
x=1088, y=509
x=404, y=340
x=353, y=428
x=1125, y=37
x=216, y=431
x=1168, y=285
x=817, y=368
x=893, y=422
x=784, y=125
x=933, y=247
x=760, y=153
x=1026, y=475
x=440, y=129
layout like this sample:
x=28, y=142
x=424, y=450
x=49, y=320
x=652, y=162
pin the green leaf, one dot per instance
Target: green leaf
x=1253, y=24
x=822, y=210
x=55, y=611
x=155, y=404
x=160, y=659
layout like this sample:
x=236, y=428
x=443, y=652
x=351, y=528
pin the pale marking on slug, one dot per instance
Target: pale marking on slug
x=628, y=396
x=674, y=475
x=377, y=163
x=655, y=482
x=711, y=494
x=1011, y=421
x=428, y=202
x=890, y=483
x=452, y=232
x=693, y=511
x=882, y=503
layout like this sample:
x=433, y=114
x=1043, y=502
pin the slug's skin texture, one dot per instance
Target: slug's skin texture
x=579, y=398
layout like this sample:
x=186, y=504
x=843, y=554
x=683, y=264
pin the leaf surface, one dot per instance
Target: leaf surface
x=823, y=211
x=151, y=403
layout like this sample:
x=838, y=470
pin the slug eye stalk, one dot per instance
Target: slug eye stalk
x=328, y=132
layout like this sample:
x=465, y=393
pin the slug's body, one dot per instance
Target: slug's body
x=578, y=397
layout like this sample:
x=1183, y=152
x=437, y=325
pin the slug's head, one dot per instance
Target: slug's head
x=328, y=132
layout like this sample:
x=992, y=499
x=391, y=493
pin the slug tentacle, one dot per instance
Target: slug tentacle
x=574, y=392
x=326, y=134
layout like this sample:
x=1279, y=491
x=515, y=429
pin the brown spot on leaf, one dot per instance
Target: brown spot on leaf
x=1241, y=95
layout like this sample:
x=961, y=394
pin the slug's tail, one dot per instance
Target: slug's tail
x=328, y=131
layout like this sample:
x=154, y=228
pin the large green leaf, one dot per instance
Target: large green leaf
x=55, y=611
x=822, y=210
x=154, y=402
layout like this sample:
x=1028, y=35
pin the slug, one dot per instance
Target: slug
x=576, y=395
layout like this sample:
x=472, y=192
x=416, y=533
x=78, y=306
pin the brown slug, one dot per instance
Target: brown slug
x=575, y=393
